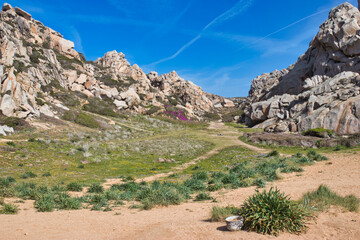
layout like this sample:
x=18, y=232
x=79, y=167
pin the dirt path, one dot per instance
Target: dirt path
x=227, y=133
x=190, y=220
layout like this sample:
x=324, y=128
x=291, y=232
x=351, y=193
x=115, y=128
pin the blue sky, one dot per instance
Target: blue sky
x=219, y=45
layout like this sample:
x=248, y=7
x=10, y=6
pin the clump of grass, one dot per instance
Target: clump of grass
x=45, y=203
x=203, y=196
x=95, y=188
x=259, y=182
x=28, y=175
x=9, y=208
x=323, y=198
x=318, y=132
x=219, y=214
x=99, y=202
x=81, y=118
x=47, y=174
x=162, y=194
x=313, y=155
x=195, y=184
x=65, y=202
x=272, y=212
x=273, y=153
x=74, y=187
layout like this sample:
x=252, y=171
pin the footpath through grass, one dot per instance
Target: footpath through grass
x=239, y=168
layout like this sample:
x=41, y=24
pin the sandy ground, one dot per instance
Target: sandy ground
x=190, y=220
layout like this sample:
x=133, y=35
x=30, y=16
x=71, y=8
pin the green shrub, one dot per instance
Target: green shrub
x=45, y=203
x=47, y=174
x=74, y=187
x=65, y=202
x=195, y=184
x=202, y=176
x=9, y=208
x=313, y=155
x=219, y=214
x=161, y=194
x=95, y=188
x=81, y=118
x=210, y=116
x=17, y=123
x=337, y=148
x=323, y=197
x=12, y=144
x=304, y=160
x=259, y=182
x=28, y=175
x=215, y=187
x=318, y=132
x=273, y=153
x=203, y=197
x=103, y=107
x=272, y=212
x=7, y=182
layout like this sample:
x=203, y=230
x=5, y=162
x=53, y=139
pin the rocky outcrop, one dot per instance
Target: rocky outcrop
x=321, y=89
x=37, y=66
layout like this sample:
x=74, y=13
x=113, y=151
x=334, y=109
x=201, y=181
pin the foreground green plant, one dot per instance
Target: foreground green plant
x=272, y=212
x=323, y=198
x=9, y=208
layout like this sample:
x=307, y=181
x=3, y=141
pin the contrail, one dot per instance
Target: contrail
x=290, y=25
x=239, y=7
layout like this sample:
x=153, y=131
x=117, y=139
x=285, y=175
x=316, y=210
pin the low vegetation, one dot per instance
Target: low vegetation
x=318, y=132
x=272, y=212
x=322, y=198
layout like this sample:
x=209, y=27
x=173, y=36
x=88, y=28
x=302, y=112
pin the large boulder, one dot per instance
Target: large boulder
x=322, y=89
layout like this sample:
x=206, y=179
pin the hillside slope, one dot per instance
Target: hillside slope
x=41, y=73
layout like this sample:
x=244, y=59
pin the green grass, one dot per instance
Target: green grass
x=322, y=198
x=101, y=155
x=9, y=208
x=219, y=214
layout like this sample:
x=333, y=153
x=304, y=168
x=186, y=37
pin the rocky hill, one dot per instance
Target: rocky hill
x=322, y=89
x=41, y=73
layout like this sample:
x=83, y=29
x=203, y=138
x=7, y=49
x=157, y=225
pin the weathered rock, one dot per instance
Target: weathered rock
x=120, y=104
x=322, y=89
x=6, y=7
x=5, y=130
x=22, y=13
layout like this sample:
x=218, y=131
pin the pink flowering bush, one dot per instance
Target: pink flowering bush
x=175, y=114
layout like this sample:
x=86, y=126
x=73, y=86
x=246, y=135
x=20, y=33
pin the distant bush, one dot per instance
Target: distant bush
x=203, y=197
x=229, y=117
x=81, y=118
x=211, y=116
x=101, y=107
x=28, y=175
x=74, y=187
x=96, y=188
x=18, y=124
x=273, y=153
x=272, y=212
x=318, y=132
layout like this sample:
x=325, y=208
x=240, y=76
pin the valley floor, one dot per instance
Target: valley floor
x=191, y=220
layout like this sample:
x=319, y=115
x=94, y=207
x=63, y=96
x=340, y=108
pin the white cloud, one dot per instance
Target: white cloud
x=238, y=8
